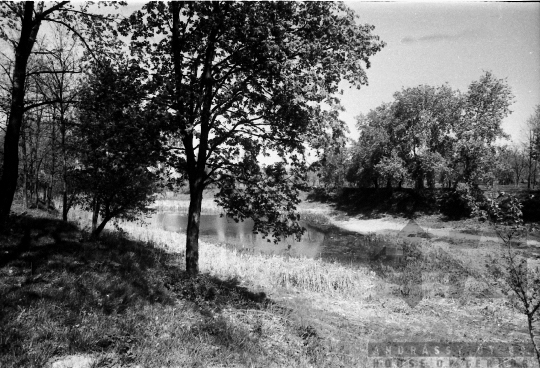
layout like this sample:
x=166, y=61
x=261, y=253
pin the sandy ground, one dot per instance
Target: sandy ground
x=396, y=226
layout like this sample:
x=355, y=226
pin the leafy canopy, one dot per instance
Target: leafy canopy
x=244, y=80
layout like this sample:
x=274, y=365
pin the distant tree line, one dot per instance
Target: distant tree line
x=431, y=137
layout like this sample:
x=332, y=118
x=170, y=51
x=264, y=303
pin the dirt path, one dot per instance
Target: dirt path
x=397, y=225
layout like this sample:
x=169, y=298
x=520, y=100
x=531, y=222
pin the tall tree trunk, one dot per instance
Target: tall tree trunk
x=96, y=231
x=25, y=173
x=530, y=321
x=95, y=213
x=534, y=182
x=53, y=166
x=420, y=182
x=192, y=233
x=431, y=179
x=8, y=182
x=65, y=206
x=36, y=186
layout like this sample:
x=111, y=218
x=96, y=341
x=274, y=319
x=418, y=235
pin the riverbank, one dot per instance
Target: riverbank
x=349, y=309
x=245, y=309
x=68, y=301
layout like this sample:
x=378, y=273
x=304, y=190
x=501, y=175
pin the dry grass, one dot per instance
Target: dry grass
x=271, y=271
x=321, y=314
x=128, y=303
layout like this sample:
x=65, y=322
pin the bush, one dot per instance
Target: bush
x=531, y=209
x=463, y=201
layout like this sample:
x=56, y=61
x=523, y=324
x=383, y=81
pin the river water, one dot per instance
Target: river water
x=216, y=229
x=321, y=241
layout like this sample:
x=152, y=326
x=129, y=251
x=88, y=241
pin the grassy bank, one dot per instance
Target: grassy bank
x=125, y=300
x=457, y=302
x=128, y=302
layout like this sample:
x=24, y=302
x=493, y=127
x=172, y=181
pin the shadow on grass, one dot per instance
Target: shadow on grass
x=62, y=294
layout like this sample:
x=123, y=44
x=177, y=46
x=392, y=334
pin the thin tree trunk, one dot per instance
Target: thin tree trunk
x=420, y=182
x=99, y=229
x=192, y=233
x=53, y=165
x=107, y=217
x=36, y=186
x=95, y=214
x=65, y=206
x=25, y=173
x=530, y=320
x=530, y=165
x=8, y=182
x=25, y=190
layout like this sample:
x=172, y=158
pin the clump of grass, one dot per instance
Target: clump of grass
x=314, y=217
x=181, y=205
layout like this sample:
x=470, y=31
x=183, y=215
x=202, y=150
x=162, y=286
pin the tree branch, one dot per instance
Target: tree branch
x=78, y=35
x=55, y=72
x=32, y=106
x=42, y=16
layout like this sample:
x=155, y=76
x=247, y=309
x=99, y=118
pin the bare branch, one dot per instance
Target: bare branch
x=55, y=72
x=98, y=16
x=42, y=103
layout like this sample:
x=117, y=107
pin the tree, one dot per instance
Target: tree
x=241, y=80
x=375, y=142
x=519, y=277
x=21, y=23
x=119, y=144
x=392, y=169
x=533, y=146
x=485, y=105
x=60, y=84
x=518, y=163
x=409, y=138
x=503, y=170
x=433, y=132
x=425, y=117
x=52, y=87
x=332, y=166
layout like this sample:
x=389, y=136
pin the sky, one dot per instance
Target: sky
x=447, y=42
x=435, y=43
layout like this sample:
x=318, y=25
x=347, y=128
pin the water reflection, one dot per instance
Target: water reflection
x=240, y=235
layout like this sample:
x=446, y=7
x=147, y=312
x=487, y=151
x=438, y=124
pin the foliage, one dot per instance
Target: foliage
x=392, y=169
x=241, y=81
x=120, y=143
x=520, y=276
x=485, y=105
x=332, y=166
x=20, y=25
x=532, y=147
x=461, y=202
x=531, y=208
x=430, y=134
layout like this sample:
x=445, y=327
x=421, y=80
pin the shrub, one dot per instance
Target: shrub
x=531, y=209
x=463, y=201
